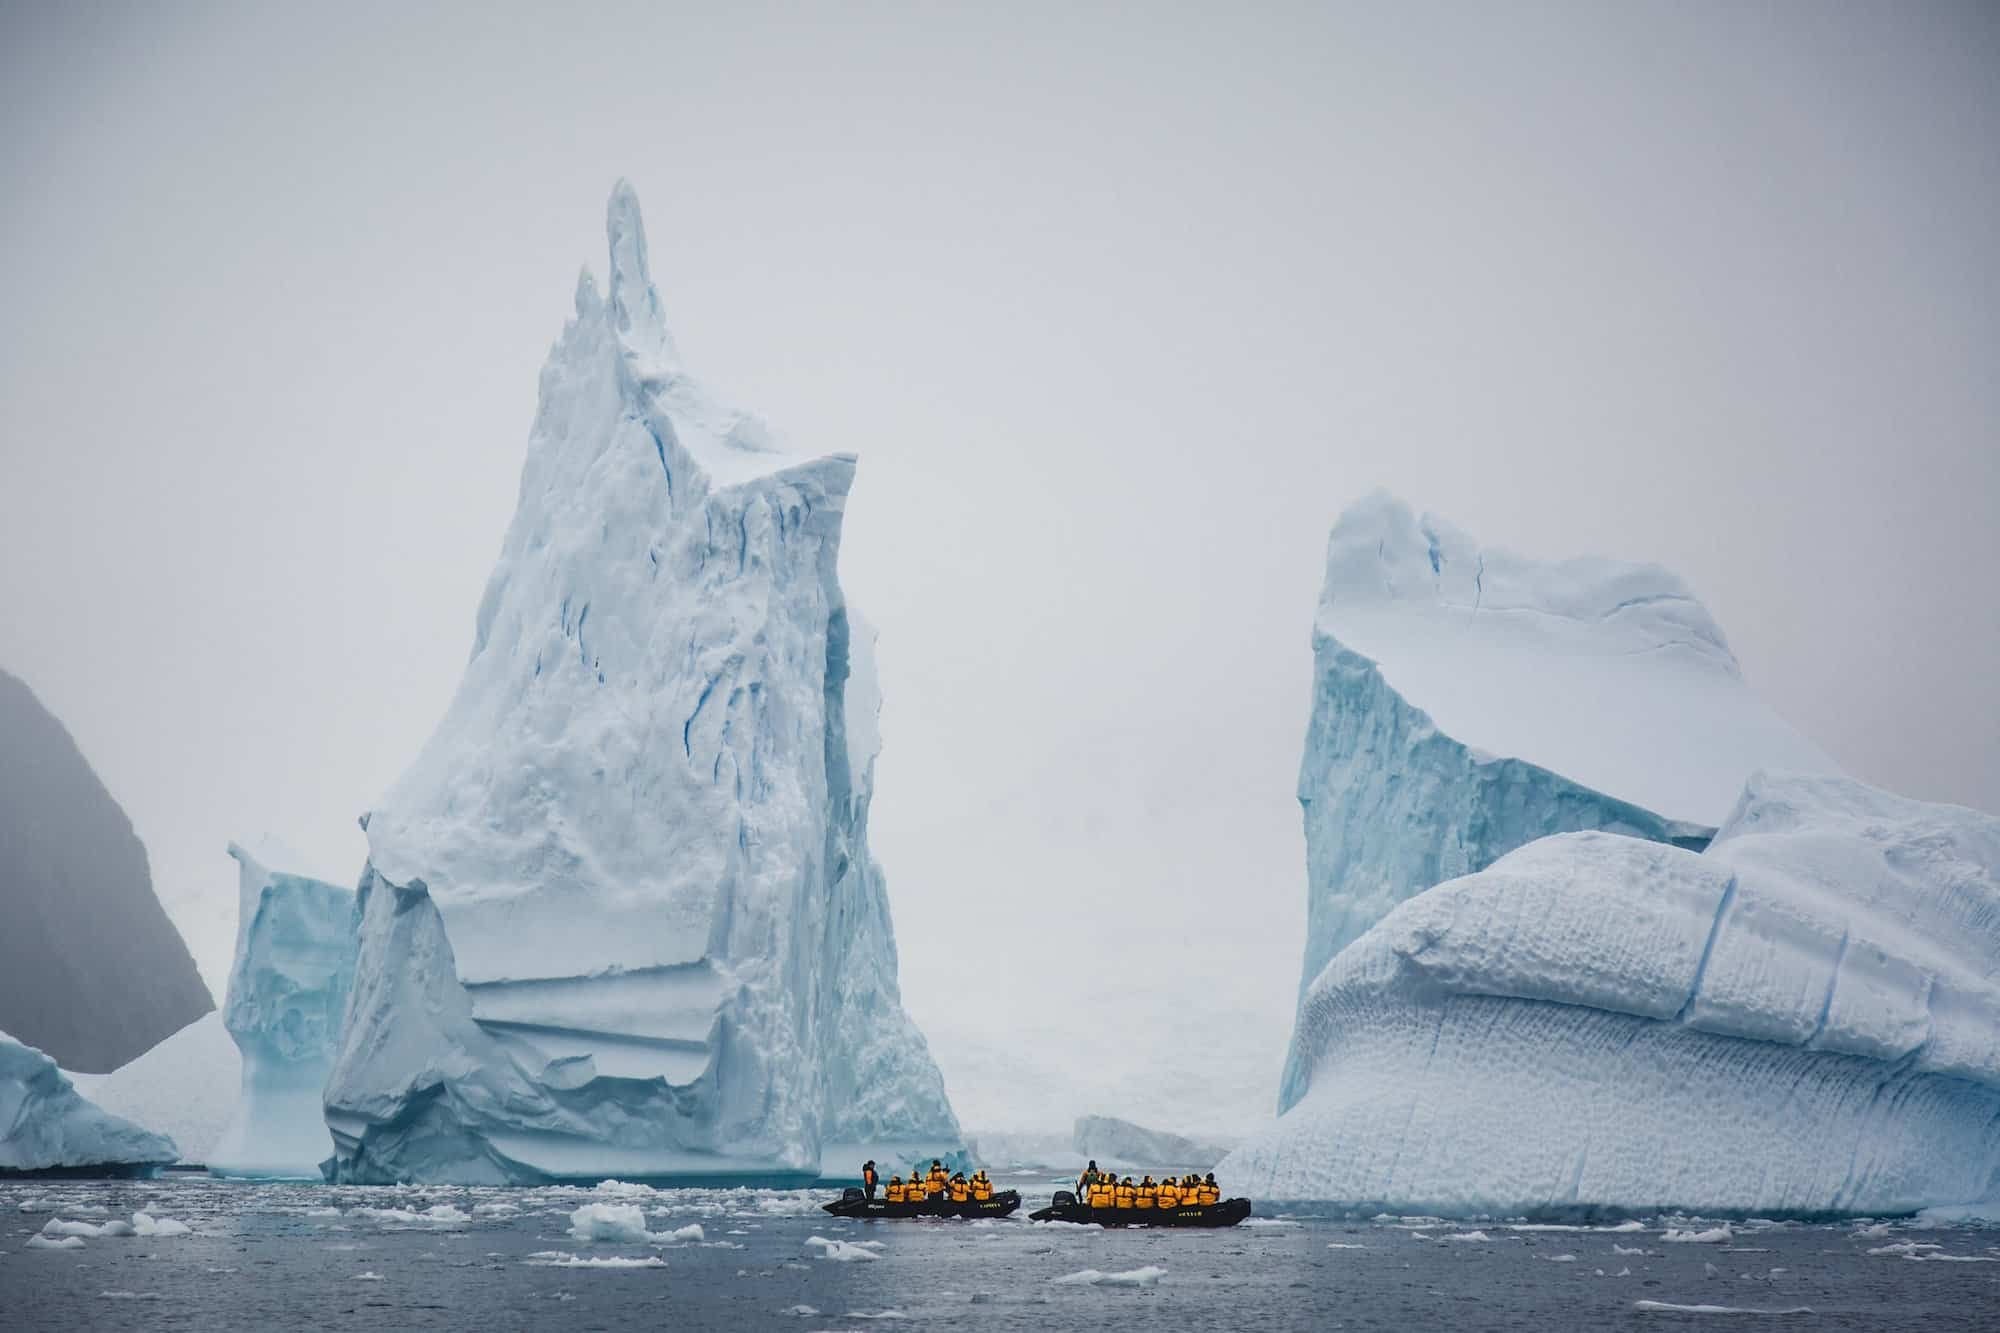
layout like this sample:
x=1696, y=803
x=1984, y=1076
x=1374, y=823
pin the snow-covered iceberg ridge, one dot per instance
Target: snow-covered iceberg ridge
x=1805, y=1018
x=620, y=917
x=47, y=1125
x=287, y=993
x=1467, y=701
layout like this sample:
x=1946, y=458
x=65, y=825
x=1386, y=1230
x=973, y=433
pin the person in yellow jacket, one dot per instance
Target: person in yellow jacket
x=1125, y=1194
x=1146, y=1195
x=893, y=1191
x=937, y=1182
x=960, y=1190
x=1209, y=1191
x=1170, y=1193
x=1087, y=1181
x=1101, y=1195
x=982, y=1187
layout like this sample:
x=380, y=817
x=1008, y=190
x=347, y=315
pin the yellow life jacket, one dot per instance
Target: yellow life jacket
x=982, y=1188
x=1125, y=1194
x=893, y=1192
x=960, y=1191
x=1170, y=1194
x=1209, y=1193
x=1148, y=1194
x=1100, y=1194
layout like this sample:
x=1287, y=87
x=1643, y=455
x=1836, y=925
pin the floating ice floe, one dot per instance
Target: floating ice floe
x=844, y=1251
x=1668, y=1307
x=625, y=1223
x=559, y=1259
x=1134, y=1277
x=1712, y=1236
x=437, y=1215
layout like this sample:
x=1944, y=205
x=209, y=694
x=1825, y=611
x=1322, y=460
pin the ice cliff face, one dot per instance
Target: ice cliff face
x=1805, y=1018
x=46, y=1125
x=91, y=969
x=620, y=917
x=288, y=990
x=1468, y=701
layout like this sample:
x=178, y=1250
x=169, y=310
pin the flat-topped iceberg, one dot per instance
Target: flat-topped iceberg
x=46, y=1125
x=620, y=917
x=288, y=989
x=1467, y=701
x=1804, y=1018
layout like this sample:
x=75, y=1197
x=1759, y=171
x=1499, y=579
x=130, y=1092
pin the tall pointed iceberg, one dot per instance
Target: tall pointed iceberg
x=620, y=916
x=1467, y=701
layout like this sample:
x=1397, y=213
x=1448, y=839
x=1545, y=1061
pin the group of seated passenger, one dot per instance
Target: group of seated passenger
x=1107, y=1190
x=938, y=1185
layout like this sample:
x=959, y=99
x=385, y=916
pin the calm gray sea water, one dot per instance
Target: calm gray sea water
x=263, y=1257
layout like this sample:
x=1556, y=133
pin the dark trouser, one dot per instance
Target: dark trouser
x=869, y=1186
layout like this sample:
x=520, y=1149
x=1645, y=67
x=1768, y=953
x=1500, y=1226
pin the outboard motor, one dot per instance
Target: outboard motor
x=1063, y=1199
x=852, y=1194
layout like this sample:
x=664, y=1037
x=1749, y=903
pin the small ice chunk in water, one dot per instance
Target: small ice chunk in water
x=1668, y=1307
x=1135, y=1277
x=148, y=1225
x=1712, y=1236
x=845, y=1251
x=59, y=1243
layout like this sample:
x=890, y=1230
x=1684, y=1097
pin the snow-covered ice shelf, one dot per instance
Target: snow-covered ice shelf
x=1467, y=701
x=1804, y=1018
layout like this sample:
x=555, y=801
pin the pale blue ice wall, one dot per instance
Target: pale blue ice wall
x=295, y=951
x=1393, y=806
x=46, y=1124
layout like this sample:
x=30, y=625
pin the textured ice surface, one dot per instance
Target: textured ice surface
x=45, y=1123
x=1804, y=1018
x=1120, y=1142
x=1467, y=701
x=287, y=992
x=91, y=970
x=620, y=917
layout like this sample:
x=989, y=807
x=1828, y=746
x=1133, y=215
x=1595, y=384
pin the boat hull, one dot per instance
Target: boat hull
x=1224, y=1214
x=854, y=1204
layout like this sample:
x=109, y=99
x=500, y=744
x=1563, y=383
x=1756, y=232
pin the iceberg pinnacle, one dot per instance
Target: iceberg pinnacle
x=1467, y=701
x=619, y=916
x=639, y=322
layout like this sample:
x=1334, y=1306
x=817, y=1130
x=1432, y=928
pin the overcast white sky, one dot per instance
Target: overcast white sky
x=1119, y=307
